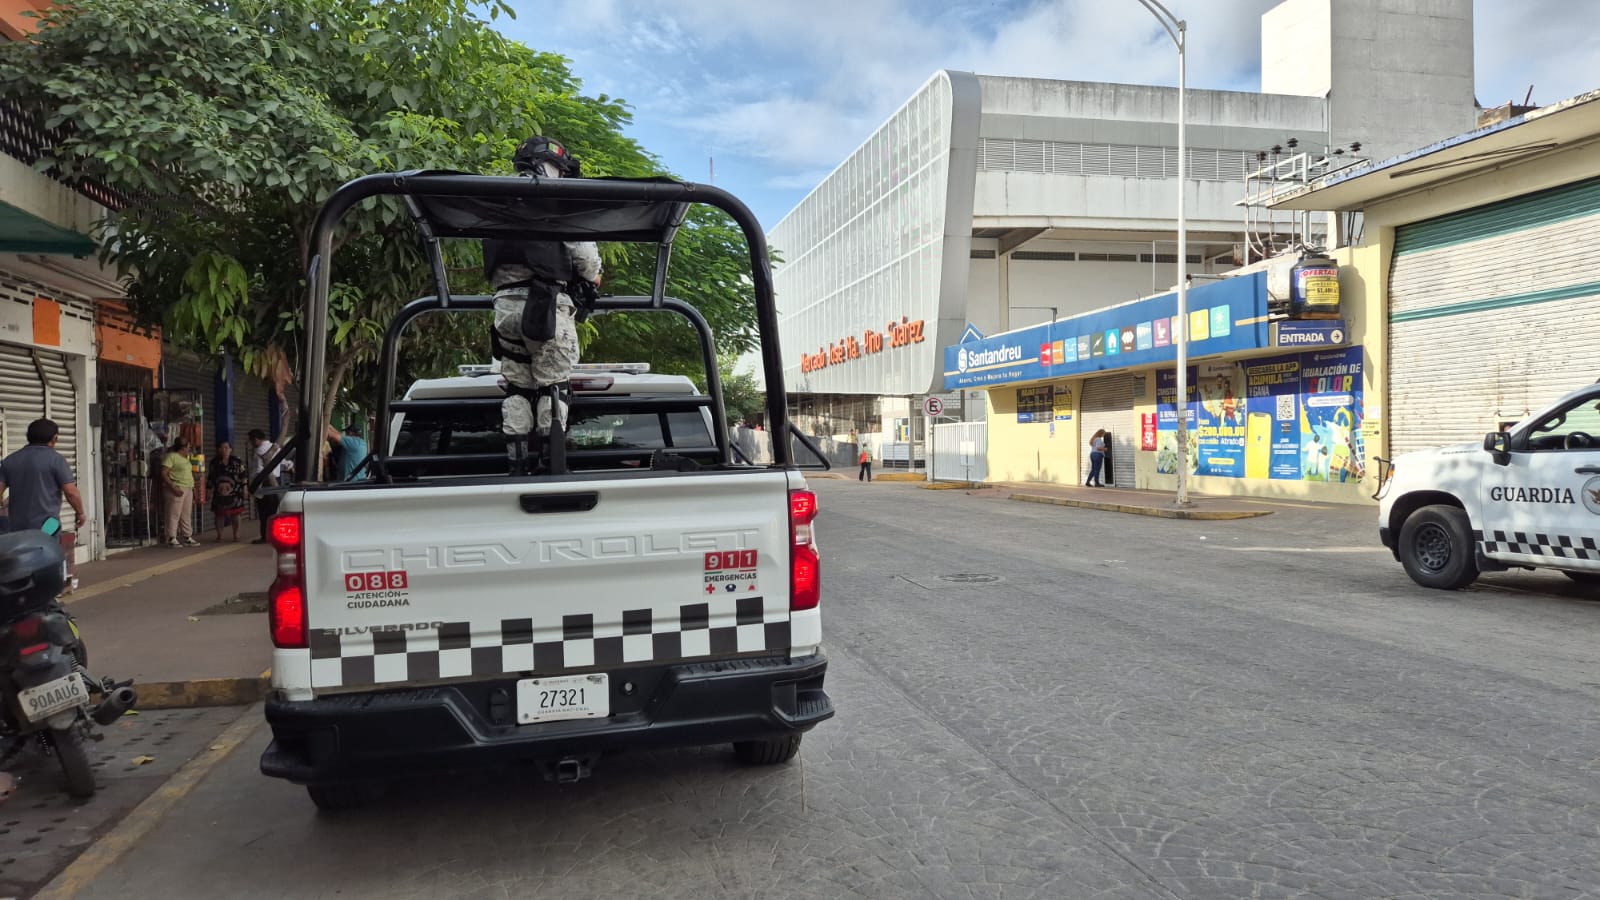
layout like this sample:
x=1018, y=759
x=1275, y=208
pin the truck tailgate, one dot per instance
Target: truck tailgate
x=421, y=583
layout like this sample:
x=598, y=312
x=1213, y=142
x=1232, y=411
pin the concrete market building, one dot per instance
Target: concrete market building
x=985, y=204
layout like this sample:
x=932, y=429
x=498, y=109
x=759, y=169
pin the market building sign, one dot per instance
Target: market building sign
x=1224, y=317
x=894, y=335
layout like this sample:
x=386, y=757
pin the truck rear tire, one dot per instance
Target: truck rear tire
x=1437, y=549
x=767, y=753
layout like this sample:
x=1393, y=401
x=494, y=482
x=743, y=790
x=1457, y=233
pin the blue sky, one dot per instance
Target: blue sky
x=781, y=92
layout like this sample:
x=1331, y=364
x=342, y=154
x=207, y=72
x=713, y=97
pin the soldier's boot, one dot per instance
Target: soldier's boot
x=517, y=454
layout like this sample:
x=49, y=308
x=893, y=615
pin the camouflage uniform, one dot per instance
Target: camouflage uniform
x=551, y=361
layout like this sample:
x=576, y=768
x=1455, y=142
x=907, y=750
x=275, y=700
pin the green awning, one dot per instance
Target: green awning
x=22, y=232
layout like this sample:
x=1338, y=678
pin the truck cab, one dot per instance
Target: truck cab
x=1527, y=497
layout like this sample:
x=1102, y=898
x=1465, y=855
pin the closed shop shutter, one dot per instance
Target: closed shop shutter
x=23, y=401
x=1108, y=403
x=250, y=410
x=1494, y=312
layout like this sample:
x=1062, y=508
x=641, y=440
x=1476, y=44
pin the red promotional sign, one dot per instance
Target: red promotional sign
x=1147, y=431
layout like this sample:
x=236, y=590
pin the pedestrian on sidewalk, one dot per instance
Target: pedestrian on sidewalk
x=1097, y=458
x=37, y=477
x=866, y=464
x=226, y=479
x=261, y=452
x=178, y=477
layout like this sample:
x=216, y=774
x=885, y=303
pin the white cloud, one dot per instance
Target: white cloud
x=793, y=87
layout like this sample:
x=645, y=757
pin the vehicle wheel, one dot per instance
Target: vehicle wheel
x=337, y=797
x=1589, y=578
x=1436, y=548
x=767, y=753
x=68, y=744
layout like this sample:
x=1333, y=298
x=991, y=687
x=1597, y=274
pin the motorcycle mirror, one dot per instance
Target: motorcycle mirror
x=52, y=526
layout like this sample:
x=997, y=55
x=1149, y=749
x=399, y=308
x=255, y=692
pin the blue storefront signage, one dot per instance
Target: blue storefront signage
x=1224, y=317
x=1329, y=333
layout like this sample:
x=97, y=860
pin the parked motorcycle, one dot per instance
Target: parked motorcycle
x=48, y=701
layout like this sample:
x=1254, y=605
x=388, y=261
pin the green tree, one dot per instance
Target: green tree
x=228, y=122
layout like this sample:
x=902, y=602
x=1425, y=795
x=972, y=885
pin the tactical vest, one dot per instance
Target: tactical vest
x=547, y=260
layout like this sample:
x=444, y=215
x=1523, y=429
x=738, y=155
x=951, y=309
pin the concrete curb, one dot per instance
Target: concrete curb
x=953, y=486
x=899, y=476
x=1157, y=512
x=201, y=692
x=125, y=835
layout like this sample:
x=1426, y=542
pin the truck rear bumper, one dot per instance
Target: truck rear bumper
x=386, y=734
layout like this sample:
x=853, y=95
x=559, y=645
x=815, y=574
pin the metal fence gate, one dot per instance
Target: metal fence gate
x=960, y=452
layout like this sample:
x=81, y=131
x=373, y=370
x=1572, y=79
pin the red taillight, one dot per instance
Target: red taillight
x=27, y=628
x=286, y=610
x=805, y=565
x=285, y=532
x=35, y=648
x=288, y=616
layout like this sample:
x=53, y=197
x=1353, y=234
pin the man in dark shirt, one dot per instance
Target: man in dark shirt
x=37, y=477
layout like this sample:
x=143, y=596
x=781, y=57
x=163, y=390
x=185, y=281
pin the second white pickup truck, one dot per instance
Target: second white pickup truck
x=1526, y=498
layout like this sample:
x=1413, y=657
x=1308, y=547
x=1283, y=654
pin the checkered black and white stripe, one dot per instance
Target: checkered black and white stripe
x=719, y=627
x=1556, y=546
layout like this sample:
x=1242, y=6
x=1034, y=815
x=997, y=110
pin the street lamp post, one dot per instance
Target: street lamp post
x=1177, y=29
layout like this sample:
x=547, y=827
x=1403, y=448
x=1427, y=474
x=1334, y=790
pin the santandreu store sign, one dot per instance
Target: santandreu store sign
x=894, y=335
x=1224, y=317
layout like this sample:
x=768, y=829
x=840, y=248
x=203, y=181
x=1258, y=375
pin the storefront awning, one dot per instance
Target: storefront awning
x=22, y=232
x=1549, y=129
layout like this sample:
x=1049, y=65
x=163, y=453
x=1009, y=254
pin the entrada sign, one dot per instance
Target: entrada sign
x=903, y=333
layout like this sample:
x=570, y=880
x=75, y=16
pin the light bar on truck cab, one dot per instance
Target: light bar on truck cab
x=620, y=368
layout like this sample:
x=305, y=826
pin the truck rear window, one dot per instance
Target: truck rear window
x=478, y=431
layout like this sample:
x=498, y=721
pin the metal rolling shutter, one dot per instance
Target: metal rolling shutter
x=250, y=409
x=1108, y=403
x=20, y=395
x=25, y=399
x=62, y=403
x=1493, y=312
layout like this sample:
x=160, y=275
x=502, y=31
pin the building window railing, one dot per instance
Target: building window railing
x=1117, y=160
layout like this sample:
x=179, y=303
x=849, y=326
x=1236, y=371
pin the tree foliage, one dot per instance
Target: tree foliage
x=230, y=121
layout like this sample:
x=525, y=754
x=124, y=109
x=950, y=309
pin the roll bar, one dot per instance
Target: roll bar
x=459, y=205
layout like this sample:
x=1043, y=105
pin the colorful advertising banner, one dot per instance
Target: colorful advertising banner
x=1295, y=417
x=1225, y=316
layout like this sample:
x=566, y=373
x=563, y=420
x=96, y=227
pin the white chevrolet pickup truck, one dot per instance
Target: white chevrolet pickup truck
x=646, y=588
x=1526, y=498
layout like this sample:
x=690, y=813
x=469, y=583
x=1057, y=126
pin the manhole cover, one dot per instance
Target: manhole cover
x=970, y=578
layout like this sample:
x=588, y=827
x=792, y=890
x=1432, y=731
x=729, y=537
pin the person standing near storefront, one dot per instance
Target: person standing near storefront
x=866, y=464
x=261, y=452
x=1097, y=458
x=36, y=478
x=178, y=477
x=226, y=477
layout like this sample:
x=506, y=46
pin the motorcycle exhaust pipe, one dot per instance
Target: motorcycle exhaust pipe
x=117, y=702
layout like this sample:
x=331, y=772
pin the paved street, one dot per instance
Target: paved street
x=1035, y=701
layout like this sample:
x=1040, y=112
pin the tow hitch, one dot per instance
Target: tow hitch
x=570, y=770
